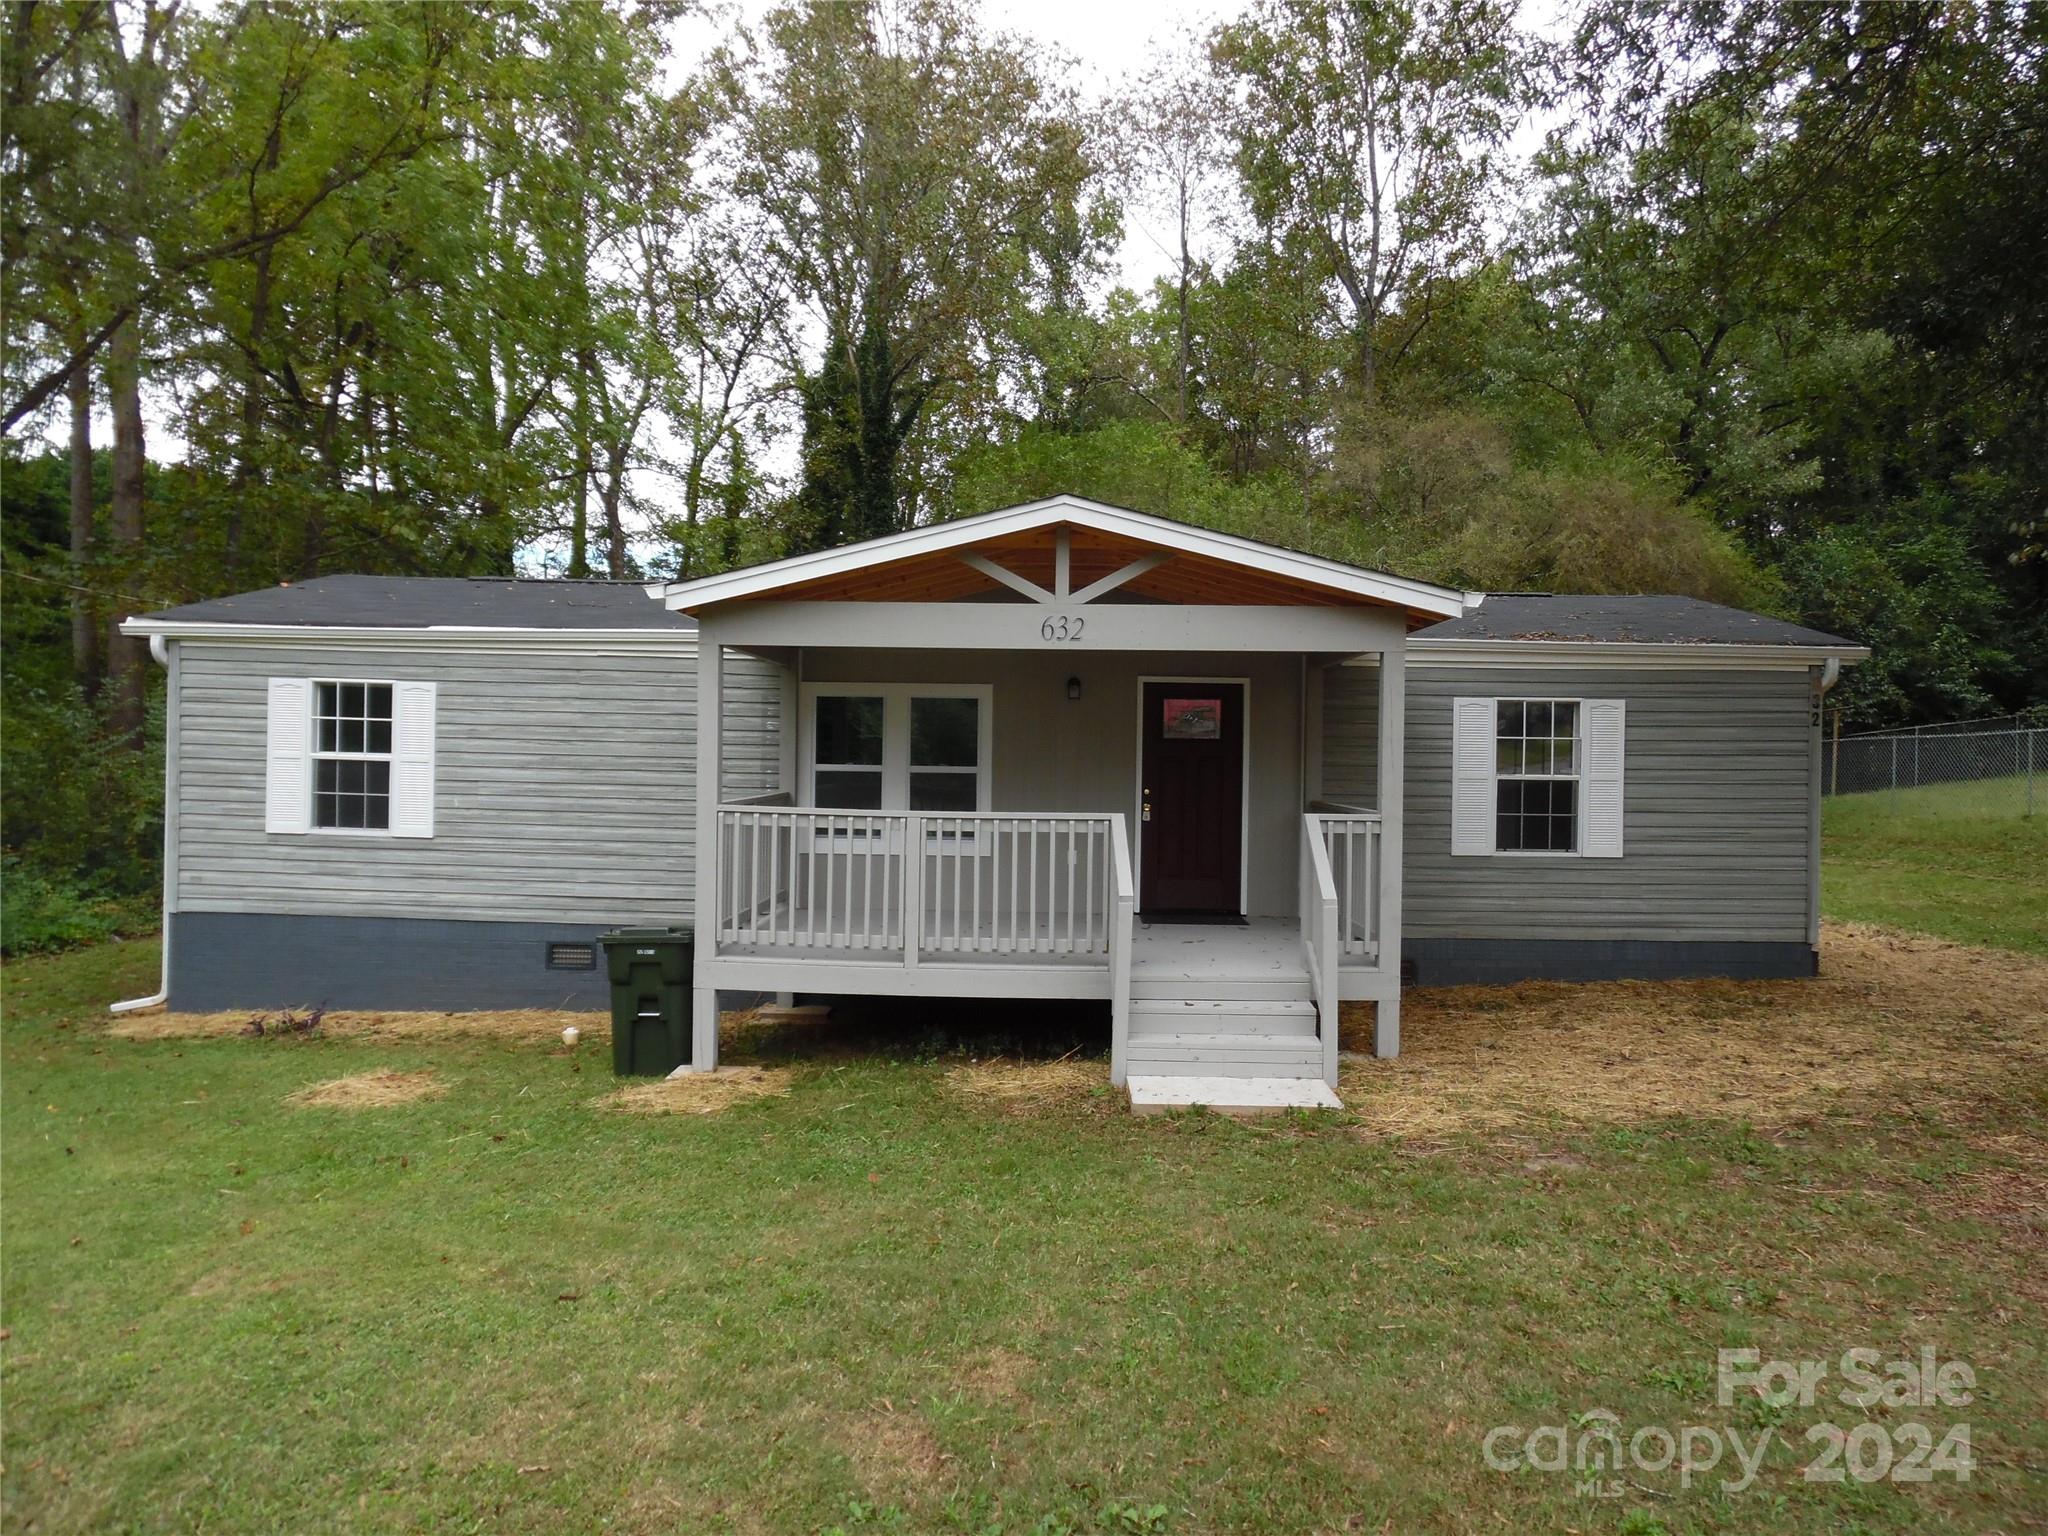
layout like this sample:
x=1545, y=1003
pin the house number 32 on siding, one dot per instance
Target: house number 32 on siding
x=1061, y=626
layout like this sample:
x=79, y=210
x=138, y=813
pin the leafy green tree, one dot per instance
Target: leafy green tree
x=1366, y=138
x=916, y=175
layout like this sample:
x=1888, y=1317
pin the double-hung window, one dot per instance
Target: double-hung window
x=1536, y=776
x=347, y=755
x=899, y=746
x=352, y=757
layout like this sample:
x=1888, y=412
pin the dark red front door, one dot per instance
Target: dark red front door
x=1191, y=829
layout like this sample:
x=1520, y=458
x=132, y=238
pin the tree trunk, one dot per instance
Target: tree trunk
x=614, y=522
x=127, y=659
x=85, y=619
x=579, y=526
x=1183, y=304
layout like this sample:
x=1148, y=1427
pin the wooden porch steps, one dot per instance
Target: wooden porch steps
x=1216, y=1054
x=1213, y=1006
x=1289, y=988
x=1179, y=1016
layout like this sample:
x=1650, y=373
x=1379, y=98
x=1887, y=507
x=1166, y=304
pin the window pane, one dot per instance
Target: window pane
x=377, y=703
x=1508, y=797
x=1536, y=721
x=944, y=791
x=945, y=733
x=1558, y=799
x=1507, y=755
x=380, y=736
x=849, y=730
x=849, y=789
x=377, y=778
x=1507, y=833
x=326, y=810
x=1567, y=720
x=351, y=736
x=1510, y=717
x=1562, y=759
x=352, y=700
x=1564, y=803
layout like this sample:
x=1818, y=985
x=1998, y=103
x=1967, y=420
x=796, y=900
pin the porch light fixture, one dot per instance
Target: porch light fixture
x=1074, y=688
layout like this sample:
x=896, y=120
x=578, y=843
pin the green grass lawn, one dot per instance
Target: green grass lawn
x=870, y=1305
x=1959, y=861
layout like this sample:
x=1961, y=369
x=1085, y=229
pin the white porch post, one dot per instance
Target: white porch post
x=792, y=697
x=1386, y=1032
x=710, y=697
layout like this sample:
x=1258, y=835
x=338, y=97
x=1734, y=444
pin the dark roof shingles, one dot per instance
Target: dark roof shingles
x=1623, y=620
x=418, y=602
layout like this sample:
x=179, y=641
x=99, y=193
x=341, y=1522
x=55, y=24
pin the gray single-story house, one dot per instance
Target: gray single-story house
x=1058, y=751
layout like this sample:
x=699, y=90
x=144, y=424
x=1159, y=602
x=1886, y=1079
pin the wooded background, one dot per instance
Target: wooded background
x=445, y=289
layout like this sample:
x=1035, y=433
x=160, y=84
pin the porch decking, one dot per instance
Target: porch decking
x=1262, y=948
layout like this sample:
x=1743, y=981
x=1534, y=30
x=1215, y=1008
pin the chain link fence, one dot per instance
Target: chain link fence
x=1995, y=767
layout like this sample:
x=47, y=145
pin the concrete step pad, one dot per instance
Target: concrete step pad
x=1155, y=1093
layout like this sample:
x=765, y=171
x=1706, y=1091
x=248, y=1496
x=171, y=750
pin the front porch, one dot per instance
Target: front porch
x=1132, y=759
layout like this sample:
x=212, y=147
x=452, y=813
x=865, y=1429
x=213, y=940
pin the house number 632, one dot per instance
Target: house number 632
x=1061, y=626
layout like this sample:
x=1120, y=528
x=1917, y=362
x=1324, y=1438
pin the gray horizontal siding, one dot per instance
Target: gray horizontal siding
x=1351, y=734
x=1714, y=821
x=565, y=786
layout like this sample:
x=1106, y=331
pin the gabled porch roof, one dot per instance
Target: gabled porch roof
x=1069, y=549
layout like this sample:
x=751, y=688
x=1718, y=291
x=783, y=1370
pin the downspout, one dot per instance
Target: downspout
x=160, y=651
x=1830, y=674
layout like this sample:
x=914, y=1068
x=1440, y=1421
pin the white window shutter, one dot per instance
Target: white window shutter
x=288, y=771
x=1600, y=821
x=1472, y=752
x=412, y=759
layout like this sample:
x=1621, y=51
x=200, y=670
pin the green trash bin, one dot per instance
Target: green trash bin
x=650, y=971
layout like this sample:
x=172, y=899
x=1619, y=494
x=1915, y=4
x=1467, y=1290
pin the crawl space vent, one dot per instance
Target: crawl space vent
x=572, y=957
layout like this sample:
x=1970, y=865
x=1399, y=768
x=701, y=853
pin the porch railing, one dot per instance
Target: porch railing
x=920, y=885
x=1351, y=840
x=1319, y=942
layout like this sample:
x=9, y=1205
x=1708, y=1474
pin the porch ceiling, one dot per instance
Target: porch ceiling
x=1185, y=577
x=997, y=555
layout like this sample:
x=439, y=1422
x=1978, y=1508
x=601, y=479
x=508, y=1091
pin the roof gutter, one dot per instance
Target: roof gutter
x=1640, y=653
x=507, y=637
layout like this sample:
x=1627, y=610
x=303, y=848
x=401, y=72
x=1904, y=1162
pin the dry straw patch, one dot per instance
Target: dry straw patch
x=1030, y=1087
x=370, y=1090
x=507, y=1024
x=697, y=1093
x=1892, y=1015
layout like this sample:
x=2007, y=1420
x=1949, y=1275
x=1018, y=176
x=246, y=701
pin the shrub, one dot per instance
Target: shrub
x=40, y=912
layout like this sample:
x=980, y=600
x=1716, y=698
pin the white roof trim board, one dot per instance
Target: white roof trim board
x=414, y=637
x=754, y=581
x=1423, y=652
